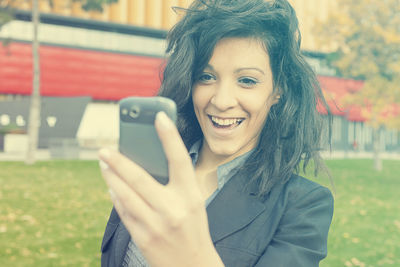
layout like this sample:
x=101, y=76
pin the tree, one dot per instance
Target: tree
x=6, y=15
x=364, y=39
x=34, y=110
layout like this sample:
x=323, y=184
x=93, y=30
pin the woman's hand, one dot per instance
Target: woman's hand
x=168, y=223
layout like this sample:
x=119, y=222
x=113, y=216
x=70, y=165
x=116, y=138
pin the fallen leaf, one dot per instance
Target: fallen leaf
x=26, y=252
x=357, y=262
x=11, y=217
x=363, y=212
x=28, y=218
x=52, y=255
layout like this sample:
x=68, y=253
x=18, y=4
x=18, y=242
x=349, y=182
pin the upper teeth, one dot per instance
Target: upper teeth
x=225, y=121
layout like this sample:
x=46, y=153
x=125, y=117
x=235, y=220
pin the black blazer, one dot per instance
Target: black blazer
x=288, y=228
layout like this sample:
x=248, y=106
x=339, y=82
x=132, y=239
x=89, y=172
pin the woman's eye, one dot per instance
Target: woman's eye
x=206, y=78
x=248, y=82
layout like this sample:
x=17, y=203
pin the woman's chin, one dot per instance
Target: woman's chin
x=225, y=151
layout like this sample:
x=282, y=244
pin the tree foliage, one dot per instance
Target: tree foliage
x=6, y=13
x=94, y=4
x=365, y=37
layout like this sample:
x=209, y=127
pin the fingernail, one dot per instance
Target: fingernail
x=103, y=165
x=104, y=153
x=162, y=119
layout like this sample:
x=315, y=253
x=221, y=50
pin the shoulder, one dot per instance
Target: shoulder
x=289, y=227
x=300, y=196
x=303, y=210
x=298, y=187
x=306, y=202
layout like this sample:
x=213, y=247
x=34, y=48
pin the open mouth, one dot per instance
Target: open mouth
x=225, y=123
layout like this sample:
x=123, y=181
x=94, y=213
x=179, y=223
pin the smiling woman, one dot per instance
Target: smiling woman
x=247, y=114
x=232, y=98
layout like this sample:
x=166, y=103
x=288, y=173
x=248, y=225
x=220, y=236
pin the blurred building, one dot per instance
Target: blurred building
x=119, y=52
x=156, y=14
x=159, y=14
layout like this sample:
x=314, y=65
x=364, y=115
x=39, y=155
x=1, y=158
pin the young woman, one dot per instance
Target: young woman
x=247, y=119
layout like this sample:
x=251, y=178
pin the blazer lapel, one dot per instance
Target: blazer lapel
x=232, y=209
x=122, y=240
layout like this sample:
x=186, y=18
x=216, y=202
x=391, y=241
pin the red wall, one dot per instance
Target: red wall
x=112, y=76
x=335, y=90
x=78, y=72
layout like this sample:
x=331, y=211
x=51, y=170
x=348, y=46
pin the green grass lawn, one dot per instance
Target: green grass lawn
x=366, y=225
x=54, y=213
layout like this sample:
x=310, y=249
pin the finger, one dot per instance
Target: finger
x=179, y=162
x=136, y=229
x=138, y=219
x=125, y=216
x=130, y=204
x=133, y=175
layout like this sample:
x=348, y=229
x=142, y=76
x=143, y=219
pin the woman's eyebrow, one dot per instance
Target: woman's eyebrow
x=208, y=66
x=211, y=68
x=250, y=68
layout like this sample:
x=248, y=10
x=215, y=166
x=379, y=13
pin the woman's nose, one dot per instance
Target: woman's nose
x=224, y=96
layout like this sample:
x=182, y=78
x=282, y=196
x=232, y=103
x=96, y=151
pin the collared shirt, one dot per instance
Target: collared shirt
x=134, y=257
x=224, y=171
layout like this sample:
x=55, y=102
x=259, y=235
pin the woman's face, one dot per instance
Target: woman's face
x=233, y=95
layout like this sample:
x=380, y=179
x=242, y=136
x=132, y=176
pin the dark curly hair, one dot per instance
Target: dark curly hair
x=292, y=133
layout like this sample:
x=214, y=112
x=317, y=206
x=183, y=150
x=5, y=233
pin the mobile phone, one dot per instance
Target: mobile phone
x=138, y=138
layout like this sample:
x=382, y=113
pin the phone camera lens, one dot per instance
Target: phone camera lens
x=134, y=112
